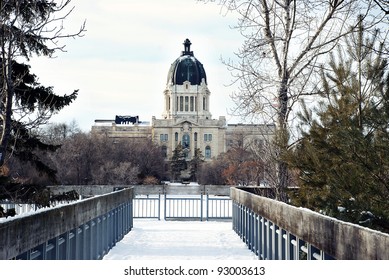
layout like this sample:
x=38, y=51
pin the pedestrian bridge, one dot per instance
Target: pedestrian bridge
x=89, y=228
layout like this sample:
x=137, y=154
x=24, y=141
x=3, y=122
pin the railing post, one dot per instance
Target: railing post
x=281, y=247
x=164, y=206
x=159, y=206
x=85, y=241
x=201, y=206
x=67, y=245
x=57, y=247
x=263, y=238
x=255, y=234
x=287, y=246
x=241, y=221
x=207, y=206
x=250, y=230
x=79, y=243
x=99, y=247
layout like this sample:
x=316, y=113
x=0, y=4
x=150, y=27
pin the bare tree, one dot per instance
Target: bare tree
x=384, y=5
x=88, y=158
x=285, y=43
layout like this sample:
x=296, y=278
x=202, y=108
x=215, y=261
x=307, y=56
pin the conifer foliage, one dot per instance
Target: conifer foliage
x=28, y=28
x=178, y=162
x=343, y=156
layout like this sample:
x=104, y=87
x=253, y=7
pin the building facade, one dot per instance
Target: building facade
x=186, y=118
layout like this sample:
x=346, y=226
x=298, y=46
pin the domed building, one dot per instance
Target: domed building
x=186, y=118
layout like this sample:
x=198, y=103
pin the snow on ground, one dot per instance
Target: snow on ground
x=180, y=240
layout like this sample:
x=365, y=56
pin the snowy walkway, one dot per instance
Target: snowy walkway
x=180, y=240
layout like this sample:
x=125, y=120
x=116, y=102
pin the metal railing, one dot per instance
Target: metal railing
x=84, y=230
x=219, y=207
x=19, y=208
x=198, y=207
x=148, y=206
x=89, y=241
x=270, y=242
x=276, y=230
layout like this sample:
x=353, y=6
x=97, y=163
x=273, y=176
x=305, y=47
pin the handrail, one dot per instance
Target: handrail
x=23, y=234
x=338, y=239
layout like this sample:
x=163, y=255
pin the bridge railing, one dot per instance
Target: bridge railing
x=275, y=230
x=194, y=206
x=147, y=206
x=86, y=229
x=181, y=201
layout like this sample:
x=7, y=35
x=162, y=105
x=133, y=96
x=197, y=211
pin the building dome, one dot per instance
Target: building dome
x=186, y=68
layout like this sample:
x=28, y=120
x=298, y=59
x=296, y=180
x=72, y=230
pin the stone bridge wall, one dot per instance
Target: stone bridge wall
x=22, y=233
x=341, y=240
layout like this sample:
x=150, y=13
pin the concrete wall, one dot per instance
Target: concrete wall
x=20, y=234
x=85, y=190
x=339, y=239
x=89, y=190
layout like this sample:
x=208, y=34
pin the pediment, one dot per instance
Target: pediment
x=185, y=123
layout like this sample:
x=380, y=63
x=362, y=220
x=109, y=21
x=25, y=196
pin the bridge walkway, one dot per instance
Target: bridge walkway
x=180, y=240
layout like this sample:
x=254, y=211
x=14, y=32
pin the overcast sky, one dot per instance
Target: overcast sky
x=121, y=64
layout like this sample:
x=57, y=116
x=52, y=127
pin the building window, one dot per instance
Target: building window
x=181, y=103
x=176, y=136
x=195, y=136
x=163, y=137
x=207, y=152
x=185, y=141
x=186, y=103
x=191, y=103
x=207, y=137
x=204, y=104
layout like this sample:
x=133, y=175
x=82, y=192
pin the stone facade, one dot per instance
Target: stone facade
x=186, y=117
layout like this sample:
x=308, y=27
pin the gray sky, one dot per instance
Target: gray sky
x=120, y=66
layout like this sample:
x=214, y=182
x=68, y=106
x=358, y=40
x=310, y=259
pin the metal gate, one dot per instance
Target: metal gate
x=182, y=207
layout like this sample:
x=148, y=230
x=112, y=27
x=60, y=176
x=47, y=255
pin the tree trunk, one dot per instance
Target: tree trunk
x=282, y=141
x=7, y=114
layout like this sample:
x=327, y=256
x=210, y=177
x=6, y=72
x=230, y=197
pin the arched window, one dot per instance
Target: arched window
x=176, y=136
x=207, y=152
x=186, y=141
x=195, y=136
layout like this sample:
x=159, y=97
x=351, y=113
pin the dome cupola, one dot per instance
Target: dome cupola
x=186, y=94
x=186, y=68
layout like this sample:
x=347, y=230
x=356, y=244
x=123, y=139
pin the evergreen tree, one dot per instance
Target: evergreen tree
x=28, y=98
x=343, y=156
x=27, y=28
x=195, y=164
x=178, y=162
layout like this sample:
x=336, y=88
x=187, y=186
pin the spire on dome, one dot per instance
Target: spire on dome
x=187, y=51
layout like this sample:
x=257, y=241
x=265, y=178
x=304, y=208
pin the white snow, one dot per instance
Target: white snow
x=180, y=240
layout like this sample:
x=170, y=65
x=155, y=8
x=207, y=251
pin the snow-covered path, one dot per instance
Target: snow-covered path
x=180, y=240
